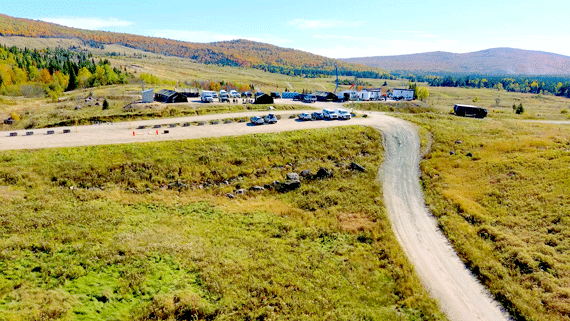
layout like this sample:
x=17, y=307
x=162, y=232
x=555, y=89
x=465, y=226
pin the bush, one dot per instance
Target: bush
x=519, y=109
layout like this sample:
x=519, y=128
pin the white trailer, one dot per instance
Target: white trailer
x=407, y=94
x=364, y=95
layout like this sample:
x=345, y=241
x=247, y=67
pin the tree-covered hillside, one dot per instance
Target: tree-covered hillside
x=242, y=53
x=37, y=73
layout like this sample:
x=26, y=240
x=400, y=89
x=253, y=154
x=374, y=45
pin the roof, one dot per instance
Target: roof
x=167, y=92
x=187, y=90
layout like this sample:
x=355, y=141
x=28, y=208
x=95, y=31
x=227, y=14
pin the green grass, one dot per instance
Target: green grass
x=505, y=209
x=95, y=233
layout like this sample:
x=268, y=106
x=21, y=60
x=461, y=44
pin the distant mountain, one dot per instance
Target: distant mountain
x=497, y=61
x=241, y=53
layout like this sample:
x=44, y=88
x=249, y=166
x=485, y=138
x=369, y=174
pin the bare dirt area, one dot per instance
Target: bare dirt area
x=459, y=294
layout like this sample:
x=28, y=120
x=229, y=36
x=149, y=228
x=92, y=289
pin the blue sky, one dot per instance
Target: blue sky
x=337, y=29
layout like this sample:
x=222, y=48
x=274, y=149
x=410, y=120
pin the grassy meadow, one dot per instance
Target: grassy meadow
x=146, y=232
x=506, y=208
x=499, y=104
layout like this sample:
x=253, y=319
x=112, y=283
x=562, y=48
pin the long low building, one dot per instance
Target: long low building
x=170, y=96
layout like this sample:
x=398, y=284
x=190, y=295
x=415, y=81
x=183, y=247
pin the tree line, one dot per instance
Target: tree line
x=32, y=72
x=559, y=86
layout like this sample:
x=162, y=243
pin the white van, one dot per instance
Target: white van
x=207, y=96
x=343, y=114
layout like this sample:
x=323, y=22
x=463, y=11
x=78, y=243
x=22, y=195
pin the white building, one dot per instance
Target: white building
x=407, y=94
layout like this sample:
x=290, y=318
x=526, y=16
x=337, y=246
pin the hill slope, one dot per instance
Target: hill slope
x=243, y=53
x=497, y=61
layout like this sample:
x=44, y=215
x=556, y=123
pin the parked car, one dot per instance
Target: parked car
x=343, y=114
x=317, y=115
x=270, y=119
x=224, y=98
x=298, y=97
x=207, y=99
x=275, y=94
x=310, y=98
x=234, y=93
x=246, y=94
x=329, y=114
x=305, y=116
x=257, y=120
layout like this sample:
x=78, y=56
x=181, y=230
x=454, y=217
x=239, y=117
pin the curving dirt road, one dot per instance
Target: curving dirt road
x=459, y=294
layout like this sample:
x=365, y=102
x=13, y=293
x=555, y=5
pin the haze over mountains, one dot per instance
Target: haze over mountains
x=245, y=53
x=496, y=61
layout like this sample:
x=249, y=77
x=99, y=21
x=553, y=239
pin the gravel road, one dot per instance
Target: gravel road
x=459, y=294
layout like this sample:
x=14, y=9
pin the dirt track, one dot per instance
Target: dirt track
x=460, y=296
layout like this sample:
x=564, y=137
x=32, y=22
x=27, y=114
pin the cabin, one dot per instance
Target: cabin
x=263, y=99
x=169, y=97
x=469, y=111
x=326, y=96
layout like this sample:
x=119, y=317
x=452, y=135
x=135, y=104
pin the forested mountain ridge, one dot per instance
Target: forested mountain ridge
x=242, y=53
x=495, y=61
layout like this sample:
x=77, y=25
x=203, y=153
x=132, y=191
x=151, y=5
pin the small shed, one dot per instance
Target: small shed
x=147, y=96
x=188, y=92
x=263, y=99
x=170, y=96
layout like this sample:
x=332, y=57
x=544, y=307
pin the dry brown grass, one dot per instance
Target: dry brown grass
x=505, y=208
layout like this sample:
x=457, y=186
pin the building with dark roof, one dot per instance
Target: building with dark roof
x=170, y=96
x=264, y=99
x=326, y=96
x=189, y=92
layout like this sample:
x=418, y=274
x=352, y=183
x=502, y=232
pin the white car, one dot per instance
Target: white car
x=305, y=116
x=330, y=114
x=256, y=120
x=207, y=99
x=343, y=114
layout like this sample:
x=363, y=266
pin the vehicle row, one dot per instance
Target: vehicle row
x=268, y=119
x=327, y=114
x=307, y=98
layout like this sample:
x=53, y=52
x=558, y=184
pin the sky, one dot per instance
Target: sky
x=335, y=29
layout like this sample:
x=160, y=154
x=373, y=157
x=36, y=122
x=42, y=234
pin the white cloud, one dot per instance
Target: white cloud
x=90, y=23
x=323, y=23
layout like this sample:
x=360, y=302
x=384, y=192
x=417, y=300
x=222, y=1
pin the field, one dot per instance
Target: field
x=500, y=103
x=146, y=231
x=505, y=208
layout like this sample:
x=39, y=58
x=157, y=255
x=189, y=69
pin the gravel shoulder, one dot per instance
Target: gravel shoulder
x=460, y=295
